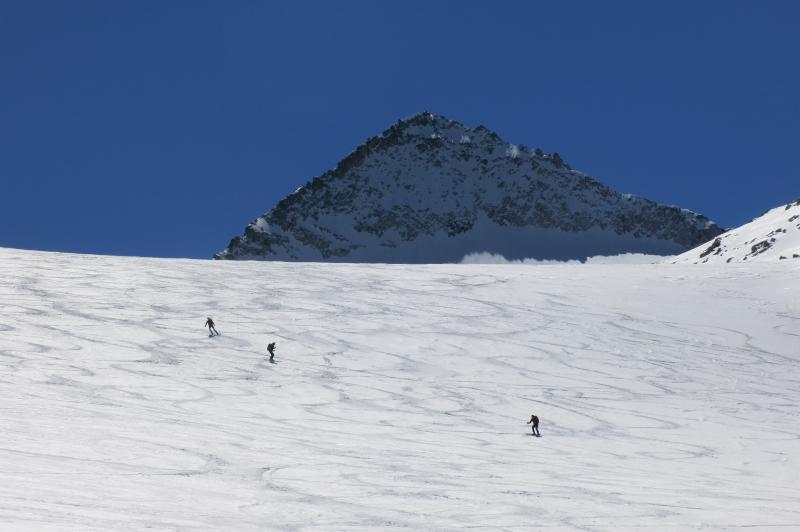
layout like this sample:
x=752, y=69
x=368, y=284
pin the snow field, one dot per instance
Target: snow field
x=773, y=236
x=667, y=396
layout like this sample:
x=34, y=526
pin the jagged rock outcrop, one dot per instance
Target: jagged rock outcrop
x=429, y=189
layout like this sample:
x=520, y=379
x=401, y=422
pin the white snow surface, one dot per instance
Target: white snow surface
x=667, y=396
x=775, y=235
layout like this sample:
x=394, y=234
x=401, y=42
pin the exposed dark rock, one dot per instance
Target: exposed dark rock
x=714, y=246
x=429, y=176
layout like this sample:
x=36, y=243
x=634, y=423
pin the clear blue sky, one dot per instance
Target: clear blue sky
x=163, y=127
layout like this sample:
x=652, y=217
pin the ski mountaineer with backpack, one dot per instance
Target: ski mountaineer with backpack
x=211, y=329
x=271, y=349
x=534, y=423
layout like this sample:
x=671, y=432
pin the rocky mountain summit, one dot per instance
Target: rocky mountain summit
x=430, y=190
x=773, y=236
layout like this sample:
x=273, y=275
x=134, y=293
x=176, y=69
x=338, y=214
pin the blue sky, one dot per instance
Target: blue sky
x=162, y=128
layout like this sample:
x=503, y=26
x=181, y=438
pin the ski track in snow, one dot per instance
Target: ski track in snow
x=667, y=396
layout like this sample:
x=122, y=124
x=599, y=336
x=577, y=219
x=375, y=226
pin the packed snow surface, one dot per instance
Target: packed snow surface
x=668, y=396
x=775, y=235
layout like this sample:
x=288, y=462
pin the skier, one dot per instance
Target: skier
x=534, y=423
x=211, y=329
x=271, y=349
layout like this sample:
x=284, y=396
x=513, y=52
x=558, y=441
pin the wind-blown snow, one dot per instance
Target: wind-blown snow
x=667, y=394
x=625, y=258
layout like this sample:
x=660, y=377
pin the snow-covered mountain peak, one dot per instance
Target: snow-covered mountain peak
x=426, y=125
x=430, y=189
x=432, y=126
x=773, y=236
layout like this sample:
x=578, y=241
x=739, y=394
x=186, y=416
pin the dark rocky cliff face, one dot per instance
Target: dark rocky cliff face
x=429, y=189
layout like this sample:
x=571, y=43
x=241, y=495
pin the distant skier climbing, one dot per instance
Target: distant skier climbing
x=271, y=349
x=211, y=329
x=534, y=423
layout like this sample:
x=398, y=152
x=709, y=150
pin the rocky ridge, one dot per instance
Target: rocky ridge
x=429, y=189
x=775, y=235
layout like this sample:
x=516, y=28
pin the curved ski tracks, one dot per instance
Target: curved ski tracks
x=668, y=396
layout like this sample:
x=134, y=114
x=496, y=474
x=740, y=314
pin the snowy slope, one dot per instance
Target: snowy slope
x=667, y=394
x=431, y=190
x=775, y=235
